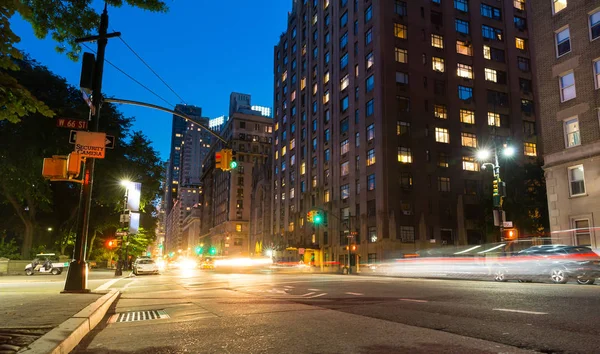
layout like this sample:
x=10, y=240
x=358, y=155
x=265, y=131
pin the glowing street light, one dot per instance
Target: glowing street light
x=509, y=151
x=125, y=182
x=483, y=154
x=49, y=229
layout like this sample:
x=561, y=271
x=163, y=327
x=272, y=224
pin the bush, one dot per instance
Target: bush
x=9, y=250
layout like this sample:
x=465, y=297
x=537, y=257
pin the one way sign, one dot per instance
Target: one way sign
x=109, y=143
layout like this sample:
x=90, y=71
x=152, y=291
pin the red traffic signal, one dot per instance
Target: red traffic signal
x=111, y=243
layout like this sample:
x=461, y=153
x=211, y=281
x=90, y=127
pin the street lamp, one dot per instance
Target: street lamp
x=49, y=229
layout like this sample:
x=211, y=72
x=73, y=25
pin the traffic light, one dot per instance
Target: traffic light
x=510, y=234
x=232, y=160
x=199, y=250
x=317, y=218
x=310, y=216
x=218, y=159
x=212, y=251
x=495, y=187
x=353, y=248
x=111, y=243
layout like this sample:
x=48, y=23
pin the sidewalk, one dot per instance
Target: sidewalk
x=31, y=309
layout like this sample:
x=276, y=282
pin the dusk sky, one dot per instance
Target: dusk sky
x=203, y=49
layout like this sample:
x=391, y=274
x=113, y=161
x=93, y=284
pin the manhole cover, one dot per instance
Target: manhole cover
x=135, y=316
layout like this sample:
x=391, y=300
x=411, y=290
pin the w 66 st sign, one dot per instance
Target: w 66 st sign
x=77, y=124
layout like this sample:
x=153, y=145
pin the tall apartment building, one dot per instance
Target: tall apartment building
x=379, y=107
x=194, y=149
x=178, y=130
x=567, y=47
x=226, y=197
x=175, y=238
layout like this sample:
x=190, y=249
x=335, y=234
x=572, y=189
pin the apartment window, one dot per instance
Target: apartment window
x=368, y=14
x=344, y=146
x=443, y=160
x=400, y=31
x=370, y=60
x=491, y=12
x=465, y=93
x=403, y=104
x=572, y=135
x=344, y=61
x=371, y=182
x=303, y=168
x=357, y=139
x=583, y=235
x=401, y=78
x=469, y=164
x=344, y=125
x=438, y=64
x=464, y=70
x=439, y=87
x=404, y=155
x=344, y=41
x=326, y=97
x=462, y=26
x=464, y=48
x=442, y=135
x=344, y=104
x=567, y=87
x=487, y=52
x=400, y=8
x=439, y=111
x=314, y=178
x=563, y=42
x=406, y=181
x=461, y=5
x=576, y=180
x=468, y=140
x=369, y=36
x=522, y=63
x=597, y=73
x=519, y=4
x=595, y=25
x=494, y=119
x=345, y=168
x=371, y=157
x=356, y=27
x=325, y=79
x=437, y=41
x=444, y=184
x=401, y=55
x=327, y=135
x=491, y=75
x=558, y=5
x=528, y=128
x=530, y=149
x=402, y=128
x=370, y=108
x=344, y=19
x=520, y=43
x=327, y=155
x=345, y=191
x=371, y=132
x=344, y=82
x=491, y=33
x=467, y=117
x=520, y=23
x=370, y=83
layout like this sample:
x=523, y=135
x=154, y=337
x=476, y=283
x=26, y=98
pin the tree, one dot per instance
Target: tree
x=64, y=21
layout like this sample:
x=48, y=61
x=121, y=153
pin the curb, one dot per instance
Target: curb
x=67, y=335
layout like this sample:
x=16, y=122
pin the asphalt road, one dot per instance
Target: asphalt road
x=239, y=313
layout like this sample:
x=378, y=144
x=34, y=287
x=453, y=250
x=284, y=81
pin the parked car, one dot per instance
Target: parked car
x=557, y=263
x=145, y=266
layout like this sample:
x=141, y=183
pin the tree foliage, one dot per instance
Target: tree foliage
x=63, y=21
x=39, y=204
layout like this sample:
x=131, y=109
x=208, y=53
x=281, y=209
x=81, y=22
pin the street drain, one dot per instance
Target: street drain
x=136, y=316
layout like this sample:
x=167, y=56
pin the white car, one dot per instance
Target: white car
x=145, y=266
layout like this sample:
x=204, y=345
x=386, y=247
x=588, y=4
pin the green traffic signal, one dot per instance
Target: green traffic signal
x=233, y=165
x=318, y=219
x=213, y=251
x=199, y=250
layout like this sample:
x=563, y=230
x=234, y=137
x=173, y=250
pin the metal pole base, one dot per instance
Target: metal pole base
x=77, y=276
x=118, y=272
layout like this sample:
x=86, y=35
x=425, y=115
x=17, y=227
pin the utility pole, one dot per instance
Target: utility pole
x=77, y=274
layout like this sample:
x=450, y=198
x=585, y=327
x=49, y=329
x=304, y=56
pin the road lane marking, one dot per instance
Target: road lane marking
x=522, y=311
x=107, y=285
x=314, y=289
x=288, y=287
x=355, y=294
x=318, y=295
x=413, y=300
x=307, y=294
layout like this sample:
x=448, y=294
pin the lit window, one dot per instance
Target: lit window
x=520, y=43
x=444, y=184
x=399, y=30
x=491, y=33
x=344, y=146
x=303, y=83
x=567, y=87
x=238, y=227
x=401, y=55
x=315, y=89
x=563, y=42
x=443, y=160
x=576, y=180
x=530, y=149
x=438, y=64
x=344, y=82
x=467, y=117
x=442, y=136
x=572, y=134
x=469, y=164
x=293, y=96
x=595, y=25
x=326, y=77
x=276, y=155
x=464, y=70
x=437, y=41
x=597, y=73
x=402, y=128
x=440, y=112
x=326, y=97
x=303, y=168
x=464, y=48
x=326, y=196
x=558, y=5
x=468, y=140
x=345, y=191
x=371, y=132
x=404, y=155
x=371, y=157
x=283, y=151
x=370, y=60
x=314, y=178
x=315, y=19
x=487, y=52
x=491, y=75
x=284, y=76
x=493, y=119
x=345, y=168
x=519, y=4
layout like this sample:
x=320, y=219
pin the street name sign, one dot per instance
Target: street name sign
x=507, y=224
x=90, y=144
x=79, y=124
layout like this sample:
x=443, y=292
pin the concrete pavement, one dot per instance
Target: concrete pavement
x=274, y=313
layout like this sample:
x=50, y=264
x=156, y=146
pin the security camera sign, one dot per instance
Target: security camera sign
x=90, y=144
